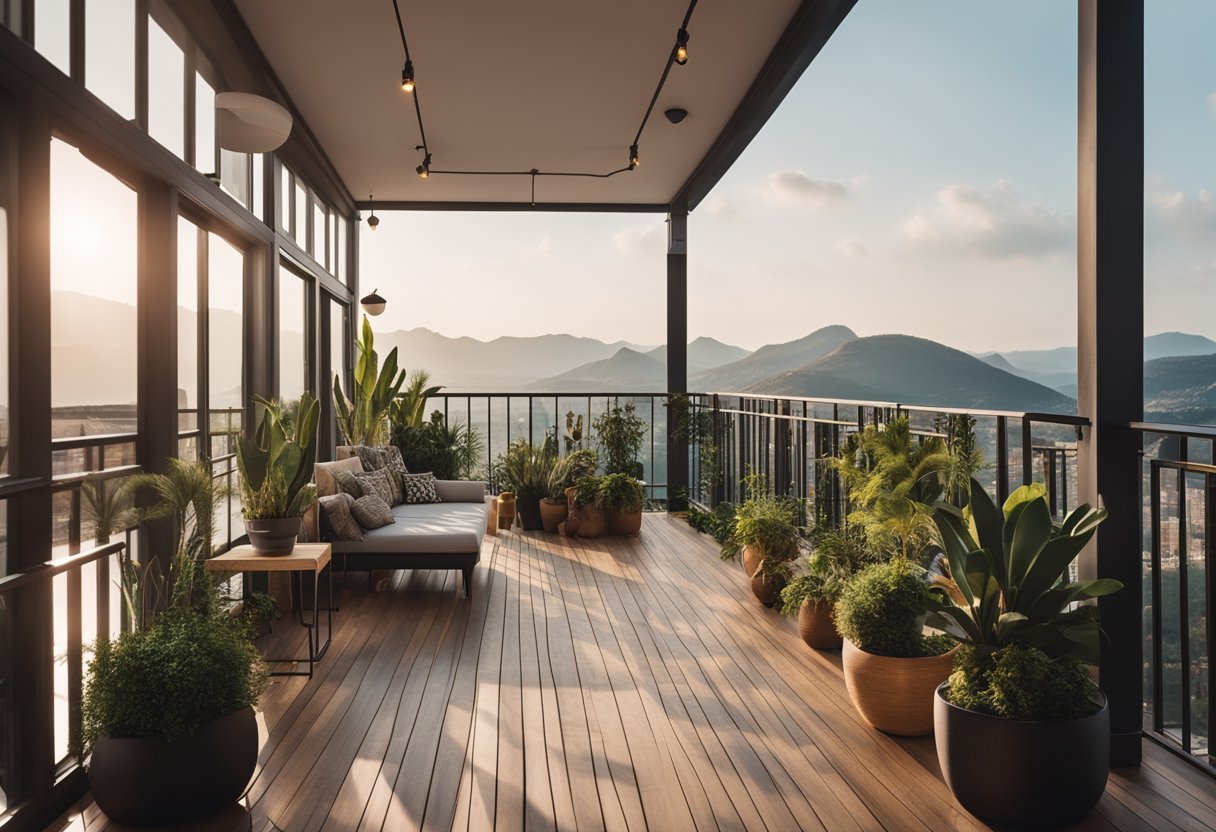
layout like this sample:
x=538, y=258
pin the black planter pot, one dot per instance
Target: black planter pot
x=527, y=508
x=274, y=536
x=1011, y=771
x=148, y=781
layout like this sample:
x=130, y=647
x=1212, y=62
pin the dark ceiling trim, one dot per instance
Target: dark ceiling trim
x=573, y=207
x=809, y=29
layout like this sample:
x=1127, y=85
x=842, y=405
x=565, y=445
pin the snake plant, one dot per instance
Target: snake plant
x=276, y=466
x=363, y=416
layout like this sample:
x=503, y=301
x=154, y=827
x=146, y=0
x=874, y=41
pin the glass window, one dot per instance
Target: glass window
x=225, y=372
x=318, y=233
x=337, y=341
x=204, y=125
x=10, y=17
x=109, y=53
x=94, y=257
x=331, y=261
x=53, y=32
x=285, y=200
x=300, y=215
x=234, y=175
x=4, y=421
x=340, y=237
x=293, y=306
x=166, y=96
x=259, y=199
x=187, y=324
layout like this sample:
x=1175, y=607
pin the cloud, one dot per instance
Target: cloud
x=796, y=186
x=536, y=250
x=1191, y=217
x=854, y=247
x=649, y=240
x=996, y=221
x=729, y=208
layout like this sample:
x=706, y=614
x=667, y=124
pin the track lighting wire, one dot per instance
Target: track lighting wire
x=534, y=172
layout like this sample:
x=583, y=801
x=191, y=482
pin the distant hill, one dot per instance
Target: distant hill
x=914, y=371
x=627, y=371
x=704, y=354
x=1181, y=388
x=771, y=360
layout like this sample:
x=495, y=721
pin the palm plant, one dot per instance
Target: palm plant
x=409, y=407
x=109, y=506
x=363, y=416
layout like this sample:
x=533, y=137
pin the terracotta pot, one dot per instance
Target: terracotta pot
x=553, y=514
x=767, y=590
x=816, y=627
x=148, y=781
x=506, y=510
x=895, y=695
x=273, y=536
x=751, y=560
x=624, y=522
x=1016, y=772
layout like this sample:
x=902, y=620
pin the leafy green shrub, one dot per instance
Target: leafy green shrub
x=837, y=555
x=169, y=680
x=619, y=432
x=449, y=450
x=722, y=521
x=1022, y=682
x=879, y=611
x=587, y=491
x=525, y=469
x=803, y=588
x=570, y=469
x=621, y=492
x=765, y=522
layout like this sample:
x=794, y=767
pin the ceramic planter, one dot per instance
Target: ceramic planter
x=527, y=508
x=273, y=536
x=767, y=590
x=553, y=514
x=751, y=560
x=506, y=510
x=895, y=695
x=623, y=522
x=148, y=781
x=1015, y=772
x=816, y=627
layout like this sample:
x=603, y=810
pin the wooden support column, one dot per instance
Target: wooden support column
x=1110, y=319
x=677, y=352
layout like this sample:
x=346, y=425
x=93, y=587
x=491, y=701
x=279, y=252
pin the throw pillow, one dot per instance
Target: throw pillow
x=372, y=512
x=374, y=457
x=347, y=484
x=337, y=521
x=419, y=488
x=381, y=483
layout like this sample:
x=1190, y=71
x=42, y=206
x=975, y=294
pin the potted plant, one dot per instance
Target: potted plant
x=276, y=469
x=554, y=508
x=586, y=517
x=363, y=416
x=891, y=669
x=837, y=555
x=622, y=499
x=767, y=535
x=620, y=431
x=1023, y=733
x=525, y=469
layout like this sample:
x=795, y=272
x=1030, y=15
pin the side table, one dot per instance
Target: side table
x=305, y=557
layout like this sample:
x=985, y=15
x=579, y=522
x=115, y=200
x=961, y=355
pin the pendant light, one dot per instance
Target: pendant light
x=373, y=304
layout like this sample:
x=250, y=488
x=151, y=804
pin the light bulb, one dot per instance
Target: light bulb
x=682, y=47
x=407, y=77
x=634, y=160
x=423, y=171
x=373, y=222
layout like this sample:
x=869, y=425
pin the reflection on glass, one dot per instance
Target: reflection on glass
x=318, y=234
x=166, y=97
x=340, y=262
x=300, y=230
x=337, y=341
x=285, y=201
x=187, y=324
x=258, y=185
x=292, y=326
x=204, y=125
x=234, y=175
x=225, y=287
x=52, y=32
x=94, y=257
x=109, y=54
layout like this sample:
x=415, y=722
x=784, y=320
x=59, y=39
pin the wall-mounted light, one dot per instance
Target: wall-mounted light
x=407, y=76
x=373, y=304
x=682, y=47
x=373, y=222
x=634, y=159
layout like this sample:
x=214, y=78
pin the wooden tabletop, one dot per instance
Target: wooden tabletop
x=304, y=557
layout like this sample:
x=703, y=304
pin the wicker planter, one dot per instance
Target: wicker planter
x=553, y=514
x=816, y=627
x=895, y=695
x=148, y=781
x=584, y=521
x=624, y=522
x=273, y=536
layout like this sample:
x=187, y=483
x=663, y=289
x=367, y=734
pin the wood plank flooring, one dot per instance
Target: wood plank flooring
x=620, y=684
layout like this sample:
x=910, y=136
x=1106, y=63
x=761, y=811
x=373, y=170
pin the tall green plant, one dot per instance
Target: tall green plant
x=620, y=431
x=409, y=408
x=451, y=450
x=277, y=465
x=363, y=416
x=525, y=468
x=109, y=506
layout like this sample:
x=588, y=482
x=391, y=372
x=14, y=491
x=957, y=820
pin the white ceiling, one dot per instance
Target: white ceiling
x=550, y=84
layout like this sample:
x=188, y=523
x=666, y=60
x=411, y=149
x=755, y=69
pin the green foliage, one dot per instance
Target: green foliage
x=1007, y=575
x=574, y=435
x=525, y=469
x=587, y=492
x=170, y=679
x=880, y=609
x=260, y=609
x=363, y=416
x=570, y=469
x=409, y=406
x=765, y=522
x=1022, y=682
x=620, y=432
x=621, y=492
x=836, y=556
x=892, y=478
x=966, y=458
x=109, y=506
x=807, y=586
x=449, y=450
x=277, y=465
x=717, y=523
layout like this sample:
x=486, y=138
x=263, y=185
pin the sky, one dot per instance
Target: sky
x=920, y=178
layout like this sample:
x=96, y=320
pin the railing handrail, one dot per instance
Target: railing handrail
x=1207, y=431
x=61, y=482
x=51, y=568
x=70, y=443
x=537, y=394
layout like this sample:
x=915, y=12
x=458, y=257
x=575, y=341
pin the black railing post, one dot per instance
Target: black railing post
x=782, y=477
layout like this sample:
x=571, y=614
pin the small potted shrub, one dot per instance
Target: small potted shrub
x=622, y=499
x=554, y=508
x=766, y=535
x=586, y=518
x=891, y=669
x=620, y=433
x=525, y=469
x=837, y=555
x=1023, y=733
x=276, y=470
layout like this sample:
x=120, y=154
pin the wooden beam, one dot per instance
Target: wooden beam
x=567, y=207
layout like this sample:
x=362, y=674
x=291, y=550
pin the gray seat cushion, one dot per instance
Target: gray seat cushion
x=425, y=528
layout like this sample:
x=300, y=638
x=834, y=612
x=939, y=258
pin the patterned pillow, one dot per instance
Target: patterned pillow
x=337, y=521
x=419, y=488
x=372, y=512
x=347, y=484
x=381, y=456
x=381, y=483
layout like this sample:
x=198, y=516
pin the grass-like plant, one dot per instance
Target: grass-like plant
x=525, y=468
x=569, y=470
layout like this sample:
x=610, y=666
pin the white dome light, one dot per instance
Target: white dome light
x=250, y=123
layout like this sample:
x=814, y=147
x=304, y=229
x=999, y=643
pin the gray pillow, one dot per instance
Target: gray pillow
x=374, y=457
x=337, y=521
x=419, y=488
x=381, y=483
x=372, y=512
x=347, y=484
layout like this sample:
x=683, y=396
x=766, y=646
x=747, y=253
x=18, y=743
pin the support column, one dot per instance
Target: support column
x=1110, y=324
x=677, y=353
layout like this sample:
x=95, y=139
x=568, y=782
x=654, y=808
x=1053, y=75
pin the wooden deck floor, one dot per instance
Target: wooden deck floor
x=606, y=684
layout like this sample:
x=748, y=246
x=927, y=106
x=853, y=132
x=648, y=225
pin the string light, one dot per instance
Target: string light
x=424, y=170
x=407, y=76
x=634, y=161
x=682, y=47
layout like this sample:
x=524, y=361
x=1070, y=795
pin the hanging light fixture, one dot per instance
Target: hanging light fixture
x=682, y=47
x=373, y=221
x=424, y=170
x=634, y=160
x=373, y=304
x=407, y=76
